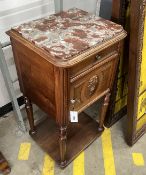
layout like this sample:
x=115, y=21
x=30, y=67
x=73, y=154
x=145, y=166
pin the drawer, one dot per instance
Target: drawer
x=93, y=59
x=90, y=85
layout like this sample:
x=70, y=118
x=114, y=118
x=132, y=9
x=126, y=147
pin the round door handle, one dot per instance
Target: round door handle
x=73, y=101
x=98, y=57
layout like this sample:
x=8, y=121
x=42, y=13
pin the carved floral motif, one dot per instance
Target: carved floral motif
x=92, y=85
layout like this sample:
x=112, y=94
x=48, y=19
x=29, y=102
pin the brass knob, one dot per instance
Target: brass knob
x=98, y=57
x=72, y=101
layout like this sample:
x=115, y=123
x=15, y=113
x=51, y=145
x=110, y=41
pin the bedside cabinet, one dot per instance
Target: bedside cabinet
x=66, y=62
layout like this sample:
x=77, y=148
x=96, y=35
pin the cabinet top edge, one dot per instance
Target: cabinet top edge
x=66, y=63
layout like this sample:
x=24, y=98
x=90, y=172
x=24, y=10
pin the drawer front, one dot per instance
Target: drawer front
x=87, y=87
x=93, y=59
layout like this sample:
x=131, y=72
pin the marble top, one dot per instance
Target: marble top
x=68, y=33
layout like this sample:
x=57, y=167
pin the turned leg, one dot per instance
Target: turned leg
x=29, y=111
x=103, y=112
x=62, y=144
x=4, y=166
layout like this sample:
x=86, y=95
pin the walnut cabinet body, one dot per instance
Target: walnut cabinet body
x=59, y=87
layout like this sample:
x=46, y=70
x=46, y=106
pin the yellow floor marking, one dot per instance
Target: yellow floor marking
x=138, y=159
x=78, y=165
x=48, y=168
x=109, y=164
x=24, y=151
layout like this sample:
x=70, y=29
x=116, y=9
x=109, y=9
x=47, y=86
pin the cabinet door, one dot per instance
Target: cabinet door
x=137, y=72
x=90, y=85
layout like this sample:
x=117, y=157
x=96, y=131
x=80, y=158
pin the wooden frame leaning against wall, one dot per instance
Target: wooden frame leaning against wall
x=137, y=82
x=118, y=105
x=131, y=14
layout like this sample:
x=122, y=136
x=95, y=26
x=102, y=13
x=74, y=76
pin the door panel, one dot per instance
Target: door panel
x=88, y=87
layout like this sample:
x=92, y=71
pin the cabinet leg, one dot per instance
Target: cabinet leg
x=103, y=112
x=4, y=166
x=62, y=144
x=29, y=111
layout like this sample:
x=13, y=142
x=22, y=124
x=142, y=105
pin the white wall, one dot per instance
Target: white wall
x=17, y=11
x=13, y=13
x=87, y=5
x=106, y=8
x=57, y=5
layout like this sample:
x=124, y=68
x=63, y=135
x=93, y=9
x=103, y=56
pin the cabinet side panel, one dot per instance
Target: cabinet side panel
x=36, y=76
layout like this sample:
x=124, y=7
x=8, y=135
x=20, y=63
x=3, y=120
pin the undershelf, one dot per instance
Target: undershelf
x=79, y=136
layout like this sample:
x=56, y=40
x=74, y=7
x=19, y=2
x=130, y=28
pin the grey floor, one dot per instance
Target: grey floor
x=11, y=139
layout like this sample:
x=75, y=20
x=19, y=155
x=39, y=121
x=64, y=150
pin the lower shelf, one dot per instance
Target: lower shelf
x=79, y=136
